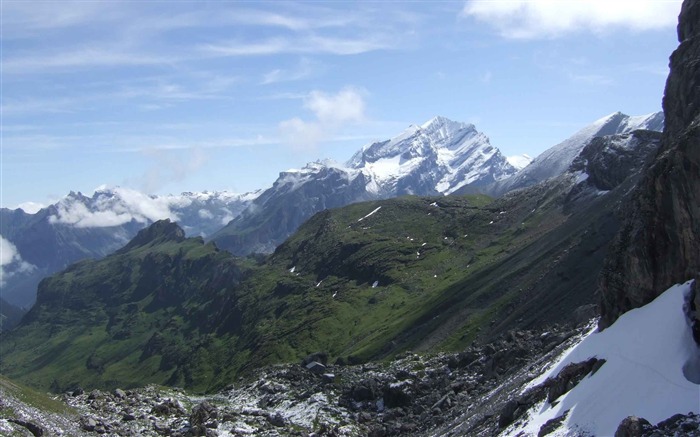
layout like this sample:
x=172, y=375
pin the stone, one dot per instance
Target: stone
x=363, y=392
x=315, y=367
x=203, y=413
x=88, y=423
x=569, y=377
x=552, y=425
x=32, y=427
x=119, y=393
x=167, y=408
x=320, y=357
x=633, y=426
x=396, y=395
x=276, y=420
x=507, y=415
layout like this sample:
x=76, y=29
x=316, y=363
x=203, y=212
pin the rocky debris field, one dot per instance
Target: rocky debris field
x=478, y=391
x=411, y=395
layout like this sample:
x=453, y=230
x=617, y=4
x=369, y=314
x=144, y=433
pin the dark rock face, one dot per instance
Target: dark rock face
x=611, y=159
x=569, y=377
x=659, y=244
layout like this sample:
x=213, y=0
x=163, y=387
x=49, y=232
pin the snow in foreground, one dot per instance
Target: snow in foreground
x=651, y=359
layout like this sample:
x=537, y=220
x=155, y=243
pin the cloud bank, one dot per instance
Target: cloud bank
x=533, y=19
x=332, y=112
x=114, y=207
x=11, y=262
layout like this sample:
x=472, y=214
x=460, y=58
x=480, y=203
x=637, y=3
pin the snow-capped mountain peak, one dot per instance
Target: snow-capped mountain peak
x=439, y=156
x=436, y=157
x=443, y=127
x=555, y=160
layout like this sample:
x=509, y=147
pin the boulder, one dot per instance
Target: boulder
x=32, y=427
x=633, y=426
x=315, y=367
x=396, y=394
x=203, y=413
x=569, y=377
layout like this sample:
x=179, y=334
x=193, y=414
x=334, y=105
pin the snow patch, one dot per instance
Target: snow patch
x=519, y=161
x=651, y=363
x=581, y=176
x=368, y=215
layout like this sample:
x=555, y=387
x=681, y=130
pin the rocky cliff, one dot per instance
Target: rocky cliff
x=658, y=244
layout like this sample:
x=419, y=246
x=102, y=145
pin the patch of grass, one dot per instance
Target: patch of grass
x=32, y=397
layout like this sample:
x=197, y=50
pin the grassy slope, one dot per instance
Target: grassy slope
x=449, y=270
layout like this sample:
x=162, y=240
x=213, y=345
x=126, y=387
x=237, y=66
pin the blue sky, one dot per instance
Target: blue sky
x=179, y=96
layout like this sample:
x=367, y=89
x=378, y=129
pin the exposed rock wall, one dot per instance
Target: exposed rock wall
x=659, y=244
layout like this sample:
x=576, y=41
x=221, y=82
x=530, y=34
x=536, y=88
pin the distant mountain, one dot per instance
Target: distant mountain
x=78, y=227
x=558, y=158
x=438, y=157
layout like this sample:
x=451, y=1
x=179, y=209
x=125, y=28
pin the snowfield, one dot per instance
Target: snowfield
x=652, y=370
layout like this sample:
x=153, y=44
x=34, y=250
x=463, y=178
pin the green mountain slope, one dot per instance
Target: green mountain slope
x=361, y=282
x=142, y=314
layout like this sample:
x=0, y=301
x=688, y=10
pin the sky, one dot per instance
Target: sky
x=173, y=96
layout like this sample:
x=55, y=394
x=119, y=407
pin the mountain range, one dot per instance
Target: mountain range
x=360, y=282
x=79, y=227
x=428, y=315
x=437, y=158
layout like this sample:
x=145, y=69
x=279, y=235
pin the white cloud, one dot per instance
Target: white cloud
x=8, y=251
x=331, y=111
x=303, y=70
x=30, y=207
x=11, y=262
x=113, y=207
x=530, y=19
x=345, y=106
x=205, y=214
x=313, y=44
x=83, y=58
x=302, y=134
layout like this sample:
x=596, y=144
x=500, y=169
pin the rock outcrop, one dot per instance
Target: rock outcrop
x=659, y=244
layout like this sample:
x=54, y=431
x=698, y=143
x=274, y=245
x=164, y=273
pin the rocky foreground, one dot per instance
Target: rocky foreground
x=475, y=392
